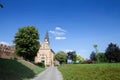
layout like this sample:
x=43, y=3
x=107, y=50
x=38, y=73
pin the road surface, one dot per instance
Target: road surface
x=50, y=73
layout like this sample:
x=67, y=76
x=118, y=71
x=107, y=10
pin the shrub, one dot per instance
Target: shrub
x=88, y=61
x=41, y=64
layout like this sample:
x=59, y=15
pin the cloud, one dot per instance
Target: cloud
x=5, y=43
x=60, y=38
x=60, y=29
x=59, y=33
x=69, y=50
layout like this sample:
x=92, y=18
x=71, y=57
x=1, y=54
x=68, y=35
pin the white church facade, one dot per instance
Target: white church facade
x=45, y=54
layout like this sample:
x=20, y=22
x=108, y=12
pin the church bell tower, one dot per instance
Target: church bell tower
x=46, y=39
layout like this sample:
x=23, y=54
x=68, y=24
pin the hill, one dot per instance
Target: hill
x=17, y=70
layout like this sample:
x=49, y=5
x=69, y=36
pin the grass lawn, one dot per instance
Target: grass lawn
x=17, y=70
x=105, y=71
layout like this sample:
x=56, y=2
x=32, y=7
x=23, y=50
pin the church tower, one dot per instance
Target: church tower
x=45, y=54
x=46, y=39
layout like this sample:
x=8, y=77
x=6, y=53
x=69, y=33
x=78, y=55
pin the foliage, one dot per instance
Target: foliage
x=112, y=53
x=61, y=57
x=41, y=64
x=26, y=42
x=95, y=46
x=102, y=71
x=93, y=56
x=18, y=70
x=79, y=58
x=101, y=57
x=72, y=56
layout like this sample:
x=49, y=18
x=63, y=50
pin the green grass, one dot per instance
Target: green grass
x=17, y=70
x=103, y=71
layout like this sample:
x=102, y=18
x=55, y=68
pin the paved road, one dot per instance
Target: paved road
x=50, y=73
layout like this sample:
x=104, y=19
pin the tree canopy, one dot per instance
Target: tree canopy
x=112, y=53
x=93, y=56
x=79, y=58
x=72, y=56
x=26, y=42
x=101, y=57
x=95, y=46
x=61, y=57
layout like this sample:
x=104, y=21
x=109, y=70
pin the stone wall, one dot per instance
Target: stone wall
x=6, y=51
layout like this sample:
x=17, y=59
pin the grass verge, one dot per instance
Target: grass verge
x=104, y=71
x=17, y=70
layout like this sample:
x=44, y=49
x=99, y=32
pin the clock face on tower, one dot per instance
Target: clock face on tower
x=46, y=40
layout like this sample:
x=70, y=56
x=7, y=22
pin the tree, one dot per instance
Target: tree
x=61, y=57
x=112, y=53
x=93, y=56
x=72, y=56
x=95, y=46
x=26, y=42
x=101, y=57
x=79, y=58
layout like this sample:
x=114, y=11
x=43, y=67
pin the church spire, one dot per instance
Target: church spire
x=46, y=37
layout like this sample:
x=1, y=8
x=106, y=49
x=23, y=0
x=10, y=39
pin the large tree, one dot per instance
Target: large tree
x=112, y=53
x=27, y=42
x=61, y=57
x=71, y=55
x=93, y=56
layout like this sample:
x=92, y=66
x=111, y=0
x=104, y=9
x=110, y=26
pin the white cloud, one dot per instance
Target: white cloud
x=59, y=33
x=5, y=43
x=60, y=38
x=60, y=29
x=53, y=32
x=68, y=50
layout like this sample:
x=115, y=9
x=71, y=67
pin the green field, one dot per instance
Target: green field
x=17, y=70
x=104, y=71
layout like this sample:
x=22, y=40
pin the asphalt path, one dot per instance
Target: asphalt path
x=51, y=73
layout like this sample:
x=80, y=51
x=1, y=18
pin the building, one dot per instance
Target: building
x=45, y=54
x=6, y=51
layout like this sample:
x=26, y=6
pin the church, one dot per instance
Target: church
x=45, y=54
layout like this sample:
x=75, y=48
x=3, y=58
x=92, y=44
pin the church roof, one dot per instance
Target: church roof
x=52, y=51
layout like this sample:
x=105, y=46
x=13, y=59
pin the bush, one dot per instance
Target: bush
x=41, y=64
x=88, y=62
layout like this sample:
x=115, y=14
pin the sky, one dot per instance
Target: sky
x=72, y=24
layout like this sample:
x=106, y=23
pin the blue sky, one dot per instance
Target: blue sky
x=72, y=24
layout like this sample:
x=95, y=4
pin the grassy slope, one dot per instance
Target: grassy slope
x=91, y=71
x=17, y=70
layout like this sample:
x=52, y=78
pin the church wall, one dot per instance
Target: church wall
x=48, y=57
